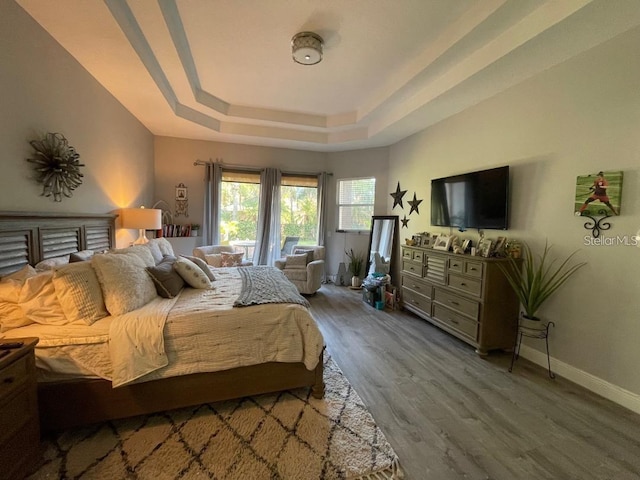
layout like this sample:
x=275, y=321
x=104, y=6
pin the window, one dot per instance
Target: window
x=299, y=208
x=240, y=195
x=356, y=197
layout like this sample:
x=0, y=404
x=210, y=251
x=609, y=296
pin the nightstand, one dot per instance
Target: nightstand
x=19, y=426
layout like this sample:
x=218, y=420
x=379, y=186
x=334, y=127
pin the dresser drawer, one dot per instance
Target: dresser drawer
x=407, y=254
x=416, y=256
x=15, y=411
x=412, y=268
x=417, y=285
x=463, y=325
x=473, y=269
x=13, y=376
x=456, y=265
x=454, y=302
x=415, y=300
x=465, y=284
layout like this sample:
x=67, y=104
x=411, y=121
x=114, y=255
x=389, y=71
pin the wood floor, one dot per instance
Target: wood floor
x=451, y=415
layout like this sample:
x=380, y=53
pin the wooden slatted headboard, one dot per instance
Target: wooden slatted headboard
x=32, y=237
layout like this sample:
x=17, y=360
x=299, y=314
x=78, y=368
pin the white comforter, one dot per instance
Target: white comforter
x=199, y=331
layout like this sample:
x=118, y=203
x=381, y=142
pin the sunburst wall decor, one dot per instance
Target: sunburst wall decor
x=56, y=166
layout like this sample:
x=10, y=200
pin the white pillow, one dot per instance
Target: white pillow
x=154, y=248
x=51, y=263
x=39, y=301
x=141, y=251
x=296, y=261
x=191, y=273
x=79, y=293
x=124, y=280
x=11, y=315
x=165, y=246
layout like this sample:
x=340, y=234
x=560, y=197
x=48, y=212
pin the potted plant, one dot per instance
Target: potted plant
x=195, y=229
x=356, y=262
x=537, y=278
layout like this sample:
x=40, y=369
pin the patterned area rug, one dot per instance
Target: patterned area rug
x=288, y=435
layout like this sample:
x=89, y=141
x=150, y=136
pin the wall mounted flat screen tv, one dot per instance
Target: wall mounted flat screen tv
x=472, y=200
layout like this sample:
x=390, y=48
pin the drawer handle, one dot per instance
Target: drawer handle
x=455, y=322
x=455, y=264
x=463, y=284
x=453, y=303
x=473, y=268
x=8, y=380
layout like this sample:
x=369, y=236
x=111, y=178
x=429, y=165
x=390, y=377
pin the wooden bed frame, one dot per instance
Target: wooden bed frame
x=28, y=238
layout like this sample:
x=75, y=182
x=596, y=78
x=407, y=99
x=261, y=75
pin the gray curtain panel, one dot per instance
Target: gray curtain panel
x=212, y=188
x=268, y=238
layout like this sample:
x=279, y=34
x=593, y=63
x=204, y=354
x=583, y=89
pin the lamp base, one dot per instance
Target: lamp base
x=142, y=238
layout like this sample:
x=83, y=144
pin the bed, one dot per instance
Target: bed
x=68, y=401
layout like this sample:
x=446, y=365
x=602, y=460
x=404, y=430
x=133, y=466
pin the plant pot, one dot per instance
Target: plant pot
x=194, y=233
x=356, y=281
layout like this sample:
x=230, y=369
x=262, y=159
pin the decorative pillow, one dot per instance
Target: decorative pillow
x=22, y=274
x=164, y=245
x=214, y=259
x=39, y=301
x=296, y=261
x=167, y=280
x=154, y=248
x=231, y=259
x=79, y=293
x=51, y=263
x=11, y=315
x=191, y=273
x=124, y=280
x=141, y=251
x=310, y=254
x=202, y=264
x=81, y=256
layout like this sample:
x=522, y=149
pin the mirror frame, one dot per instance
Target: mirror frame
x=394, y=244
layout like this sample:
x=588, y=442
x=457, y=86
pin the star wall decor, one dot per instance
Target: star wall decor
x=397, y=197
x=405, y=222
x=414, y=204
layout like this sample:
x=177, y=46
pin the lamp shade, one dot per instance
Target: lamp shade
x=142, y=218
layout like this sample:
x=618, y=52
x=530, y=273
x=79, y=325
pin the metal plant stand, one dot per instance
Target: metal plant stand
x=540, y=332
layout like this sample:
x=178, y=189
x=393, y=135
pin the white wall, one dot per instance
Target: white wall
x=354, y=164
x=577, y=118
x=45, y=90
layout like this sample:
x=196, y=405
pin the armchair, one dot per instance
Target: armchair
x=305, y=274
x=202, y=252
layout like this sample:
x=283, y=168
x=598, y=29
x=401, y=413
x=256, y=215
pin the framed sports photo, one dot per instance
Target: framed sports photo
x=598, y=194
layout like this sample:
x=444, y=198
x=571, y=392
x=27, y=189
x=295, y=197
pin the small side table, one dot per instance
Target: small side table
x=540, y=332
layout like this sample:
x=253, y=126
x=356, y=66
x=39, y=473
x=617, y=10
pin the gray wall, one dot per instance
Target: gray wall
x=45, y=90
x=577, y=118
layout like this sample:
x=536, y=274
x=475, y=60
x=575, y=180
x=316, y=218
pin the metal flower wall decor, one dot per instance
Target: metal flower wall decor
x=56, y=165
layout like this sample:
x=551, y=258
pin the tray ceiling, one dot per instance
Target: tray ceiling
x=222, y=69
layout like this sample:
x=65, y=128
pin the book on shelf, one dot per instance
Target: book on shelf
x=175, y=230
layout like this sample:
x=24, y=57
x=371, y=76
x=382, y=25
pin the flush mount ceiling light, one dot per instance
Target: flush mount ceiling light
x=306, y=48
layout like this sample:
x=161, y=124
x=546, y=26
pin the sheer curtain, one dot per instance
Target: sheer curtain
x=323, y=203
x=268, y=238
x=212, y=189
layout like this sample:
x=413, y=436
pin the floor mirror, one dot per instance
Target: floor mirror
x=383, y=245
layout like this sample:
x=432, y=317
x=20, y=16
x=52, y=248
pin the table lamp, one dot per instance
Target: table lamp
x=143, y=219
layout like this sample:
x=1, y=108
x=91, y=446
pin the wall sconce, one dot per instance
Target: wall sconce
x=142, y=219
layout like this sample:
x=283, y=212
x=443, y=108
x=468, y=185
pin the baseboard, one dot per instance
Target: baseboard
x=603, y=388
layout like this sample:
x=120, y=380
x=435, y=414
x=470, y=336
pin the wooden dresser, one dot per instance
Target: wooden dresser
x=19, y=427
x=467, y=296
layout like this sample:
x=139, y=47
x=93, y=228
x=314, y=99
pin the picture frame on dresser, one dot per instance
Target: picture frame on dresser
x=443, y=242
x=484, y=248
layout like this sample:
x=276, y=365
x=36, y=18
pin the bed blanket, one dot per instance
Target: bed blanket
x=266, y=285
x=136, y=341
